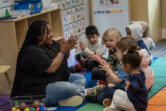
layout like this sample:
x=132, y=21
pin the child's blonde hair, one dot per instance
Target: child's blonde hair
x=114, y=32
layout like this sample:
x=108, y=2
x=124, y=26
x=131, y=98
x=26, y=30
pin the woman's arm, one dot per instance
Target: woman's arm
x=57, y=61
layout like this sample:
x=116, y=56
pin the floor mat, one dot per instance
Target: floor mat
x=91, y=107
x=159, y=69
x=158, y=102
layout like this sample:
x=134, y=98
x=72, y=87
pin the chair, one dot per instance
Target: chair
x=4, y=69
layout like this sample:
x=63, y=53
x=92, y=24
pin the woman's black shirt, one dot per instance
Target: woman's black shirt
x=32, y=62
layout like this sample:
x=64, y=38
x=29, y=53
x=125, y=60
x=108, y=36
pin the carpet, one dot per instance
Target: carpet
x=158, y=101
x=159, y=67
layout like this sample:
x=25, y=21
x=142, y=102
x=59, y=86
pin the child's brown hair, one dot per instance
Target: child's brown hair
x=113, y=31
x=132, y=57
x=126, y=43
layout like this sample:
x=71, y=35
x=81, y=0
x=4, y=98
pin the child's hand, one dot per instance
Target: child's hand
x=94, y=57
x=127, y=85
x=82, y=45
x=105, y=66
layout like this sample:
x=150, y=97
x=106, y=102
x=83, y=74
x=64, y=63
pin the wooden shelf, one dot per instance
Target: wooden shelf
x=56, y=23
x=58, y=38
x=53, y=17
x=21, y=28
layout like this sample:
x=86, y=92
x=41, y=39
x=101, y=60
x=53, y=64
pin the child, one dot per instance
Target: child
x=135, y=96
x=94, y=46
x=110, y=38
x=136, y=31
x=145, y=61
x=139, y=29
x=122, y=46
x=120, y=78
x=146, y=36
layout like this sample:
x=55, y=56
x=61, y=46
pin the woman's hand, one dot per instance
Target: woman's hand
x=82, y=45
x=66, y=46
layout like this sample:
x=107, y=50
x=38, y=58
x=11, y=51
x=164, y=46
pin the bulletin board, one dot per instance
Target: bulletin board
x=73, y=14
x=110, y=14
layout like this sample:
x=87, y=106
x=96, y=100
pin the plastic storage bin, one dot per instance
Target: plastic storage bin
x=34, y=6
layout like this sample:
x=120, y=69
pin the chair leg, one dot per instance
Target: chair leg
x=8, y=80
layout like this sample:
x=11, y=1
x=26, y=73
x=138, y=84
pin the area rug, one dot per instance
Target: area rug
x=159, y=68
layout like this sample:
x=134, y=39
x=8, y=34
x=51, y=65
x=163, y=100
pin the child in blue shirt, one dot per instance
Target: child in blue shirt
x=135, y=97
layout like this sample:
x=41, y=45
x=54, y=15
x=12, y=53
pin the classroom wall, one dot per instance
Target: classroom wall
x=163, y=15
x=138, y=10
x=154, y=11
x=87, y=11
x=150, y=11
x=8, y=55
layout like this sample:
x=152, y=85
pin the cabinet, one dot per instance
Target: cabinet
x=18, y=27
x=12, y=35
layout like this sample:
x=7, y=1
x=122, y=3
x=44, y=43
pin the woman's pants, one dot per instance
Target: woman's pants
x=64, y=89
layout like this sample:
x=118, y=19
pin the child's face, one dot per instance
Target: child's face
x=110, y=42
x=128, y=32
x=93, y=38
x=126, y=67
x=119, y=54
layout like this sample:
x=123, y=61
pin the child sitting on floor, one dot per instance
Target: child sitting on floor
x=136, y=31
x=122, y=46
x=144, y=65
x=94, y=46
x=110, y=38
x=140, y=29
x=146, y=36
x=135, y=97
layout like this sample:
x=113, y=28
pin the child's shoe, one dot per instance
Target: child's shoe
x=107, y=102
x=72, y=101
x=78, y=67
x=91, y=99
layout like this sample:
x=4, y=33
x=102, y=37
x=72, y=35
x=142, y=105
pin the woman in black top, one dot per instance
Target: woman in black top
x=42, y=66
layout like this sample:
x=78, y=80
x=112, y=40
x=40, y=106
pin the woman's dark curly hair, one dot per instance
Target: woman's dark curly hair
x=35, y=33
